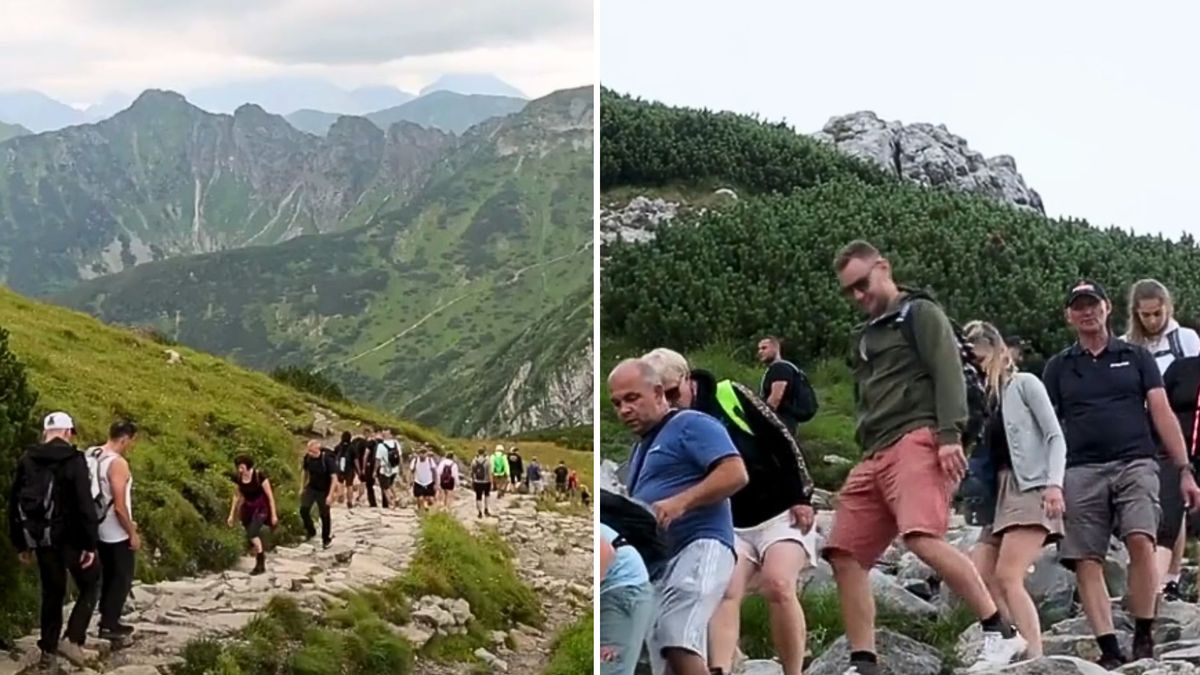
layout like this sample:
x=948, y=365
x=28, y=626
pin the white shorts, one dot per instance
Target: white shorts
x=753, y=542
x=688, y=593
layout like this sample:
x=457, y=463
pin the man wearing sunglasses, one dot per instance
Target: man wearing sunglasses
x=53, y=519
x=911, y=406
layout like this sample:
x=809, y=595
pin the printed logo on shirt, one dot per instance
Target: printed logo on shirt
x=1120, y=364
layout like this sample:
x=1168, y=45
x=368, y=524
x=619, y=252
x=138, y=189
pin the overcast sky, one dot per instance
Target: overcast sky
x=1097, y=101
x=78, y=50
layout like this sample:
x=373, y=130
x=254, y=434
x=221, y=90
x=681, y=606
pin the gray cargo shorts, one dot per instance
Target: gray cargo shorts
x=689, y=591
x=1101, y=499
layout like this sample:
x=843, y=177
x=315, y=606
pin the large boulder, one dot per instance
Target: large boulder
x=1052, y=665
x=889, y=592
x=898, y=655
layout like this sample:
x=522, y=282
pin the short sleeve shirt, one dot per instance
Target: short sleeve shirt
x=681, y=454
x=627, y=568
x=1101, y=400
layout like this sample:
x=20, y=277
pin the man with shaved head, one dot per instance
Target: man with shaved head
x=685, y=467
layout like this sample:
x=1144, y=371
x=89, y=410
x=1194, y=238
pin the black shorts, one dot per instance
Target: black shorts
x=423, y=490
x=482, y=490
x=347, y=477
x=1170, y=501
x=516, y=476
x=254, y=526
x=385, y=482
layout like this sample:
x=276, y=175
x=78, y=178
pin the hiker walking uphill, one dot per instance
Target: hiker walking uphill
x=499, y=471
x=370, y=465
x=53, y=518
x=911, y=403
x=118, y=532
x=448, y=479
x=388, y=459
x=254, y=505
x=785, y=387
x=772, y=516
x=561, y=472
x=1028, y=458
x=359, y=458
x=481, y=481
x=318, y=470
x=534, y=478
x=424, y=477
x=343, y=452
x=685, y=467
x=1152, y=325
x=1102, y=389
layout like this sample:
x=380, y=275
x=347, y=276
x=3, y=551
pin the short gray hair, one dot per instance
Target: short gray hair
x=645, y=370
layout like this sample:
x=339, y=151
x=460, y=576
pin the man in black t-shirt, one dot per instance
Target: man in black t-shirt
x=560, y=478
x=779, y=388
x=1108, y=394
x=319, y=470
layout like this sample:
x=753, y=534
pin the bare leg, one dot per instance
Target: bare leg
x=1177, y=553
x=1019, y=548
x=780, y=573
x=684, y=662
x=858, y=605
x=956, y=569
x=1143, y=577
x=725, y=623
x=983, y=556
x=1093, y=594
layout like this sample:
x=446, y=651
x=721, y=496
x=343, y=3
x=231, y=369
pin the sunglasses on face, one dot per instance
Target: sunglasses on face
x=861, y=284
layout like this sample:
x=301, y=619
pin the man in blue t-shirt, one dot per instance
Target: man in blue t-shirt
x=685, y=467
x=626, y=604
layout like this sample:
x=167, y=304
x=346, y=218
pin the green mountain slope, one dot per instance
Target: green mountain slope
x=196, y=416
x=164, y=178
x=8, y=131
x=446, y=110
x=764, y=265
x=499, y=239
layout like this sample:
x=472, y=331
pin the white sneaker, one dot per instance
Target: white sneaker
x=998, y=651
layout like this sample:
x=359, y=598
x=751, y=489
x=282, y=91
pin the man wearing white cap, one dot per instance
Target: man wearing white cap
x=53, y=518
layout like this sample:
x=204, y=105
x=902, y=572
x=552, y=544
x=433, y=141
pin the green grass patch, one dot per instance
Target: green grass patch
x=573, y=649
x=822, y=614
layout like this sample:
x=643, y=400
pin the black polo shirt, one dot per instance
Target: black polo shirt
x=1101, y=401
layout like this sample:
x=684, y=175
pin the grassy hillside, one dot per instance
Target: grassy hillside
x=764, y=265
x=195, y=418
x=413, y=311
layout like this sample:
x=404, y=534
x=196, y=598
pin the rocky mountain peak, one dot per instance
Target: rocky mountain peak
x=351, y=128
x=155, y=100
x=931, y=155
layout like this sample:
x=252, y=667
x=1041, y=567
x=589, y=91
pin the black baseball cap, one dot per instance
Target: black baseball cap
x=1086, y=289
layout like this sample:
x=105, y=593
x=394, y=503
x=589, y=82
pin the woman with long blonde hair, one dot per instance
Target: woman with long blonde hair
x=1029, y=453
x=1152, y=325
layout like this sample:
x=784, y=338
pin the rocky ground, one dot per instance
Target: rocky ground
x=370, y=546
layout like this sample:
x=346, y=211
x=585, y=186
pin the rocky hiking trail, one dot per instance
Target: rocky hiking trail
x=370, y=546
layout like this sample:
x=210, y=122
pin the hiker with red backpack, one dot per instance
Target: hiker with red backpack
x=448, y=478
x=53, y=518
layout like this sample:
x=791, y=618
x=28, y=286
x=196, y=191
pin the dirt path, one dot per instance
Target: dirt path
x=370, y=546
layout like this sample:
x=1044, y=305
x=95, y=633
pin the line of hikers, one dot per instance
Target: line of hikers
x=1100, y=445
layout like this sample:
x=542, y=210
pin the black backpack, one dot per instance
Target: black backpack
x=393, y=452
x=977, y=405
x=37, y=505
x=801, y=401
x=636, y=526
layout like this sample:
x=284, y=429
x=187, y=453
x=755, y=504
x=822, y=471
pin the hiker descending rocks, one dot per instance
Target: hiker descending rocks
x=54, y=518
x=347, y=471
x=1152, y=325
x=685, y=467
x=424, y=478
x=516, y=469
x=1026, y=460
x=561, y=473
x=1102, y=389
x=481, y=481
x=254, y=505
x=370, y=467
x=772, y=515
x=118, y=532
x=448, y=479
x=318, y=469
x=913, y=413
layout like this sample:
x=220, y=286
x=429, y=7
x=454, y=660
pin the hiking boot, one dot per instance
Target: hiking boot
x=118, y=632
x=48, y=664
x=1143, y=648
x=1171, y=593
x=73, y=653
x=1111, y=661
x=998, y=651
x=862, y=668
x=327, y=543
x=260, y=564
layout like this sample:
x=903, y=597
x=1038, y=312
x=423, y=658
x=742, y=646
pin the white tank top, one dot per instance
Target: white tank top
x=111, y=531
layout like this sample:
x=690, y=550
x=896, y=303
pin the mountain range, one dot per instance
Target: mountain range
x=446, y=110
x=446, y=277
x=282, y=95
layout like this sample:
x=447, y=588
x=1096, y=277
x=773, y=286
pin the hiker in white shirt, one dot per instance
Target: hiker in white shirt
x=424, y=474
x=448, y=479
x=119, y=538
x=1152, y=325
x=389, y=457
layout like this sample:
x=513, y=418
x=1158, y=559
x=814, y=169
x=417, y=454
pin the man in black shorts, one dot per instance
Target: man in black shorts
x=344, y=454
x=424, y=473
x=481, y=480
x=516, y=469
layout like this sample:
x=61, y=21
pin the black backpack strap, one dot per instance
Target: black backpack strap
x=1175, y=343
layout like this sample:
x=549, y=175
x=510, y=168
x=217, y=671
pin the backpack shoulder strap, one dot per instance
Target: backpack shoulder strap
x=1175, y=343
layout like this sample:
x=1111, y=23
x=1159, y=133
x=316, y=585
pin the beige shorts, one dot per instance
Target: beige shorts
x=753, y=542
x=1015, y=508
